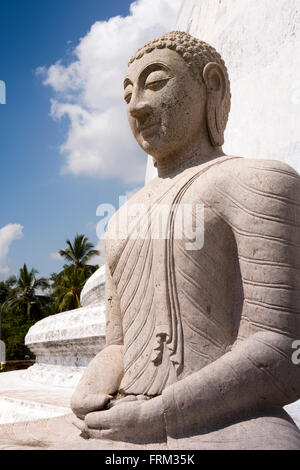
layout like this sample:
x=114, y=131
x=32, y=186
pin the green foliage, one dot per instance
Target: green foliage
x=14, y=329
x=79, y=252
x=68, y=284
x=27, y=299
x=14, y=325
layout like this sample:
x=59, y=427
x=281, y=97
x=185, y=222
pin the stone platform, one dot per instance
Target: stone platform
x=60, y=434
x=24, y=401
x=38, y=416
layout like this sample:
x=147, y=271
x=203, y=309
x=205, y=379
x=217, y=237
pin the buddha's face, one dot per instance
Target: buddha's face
x=165, y=103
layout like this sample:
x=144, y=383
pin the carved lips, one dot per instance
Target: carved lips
x=148, y=129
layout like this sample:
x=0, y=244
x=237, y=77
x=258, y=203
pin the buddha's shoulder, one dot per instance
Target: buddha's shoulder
x=260, y=174
x=248, y=166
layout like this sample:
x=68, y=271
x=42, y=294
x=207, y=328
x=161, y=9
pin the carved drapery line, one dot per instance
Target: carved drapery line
x=168, y=329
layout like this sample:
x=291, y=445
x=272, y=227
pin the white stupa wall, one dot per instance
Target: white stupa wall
x=64, y=344
x=260, y=43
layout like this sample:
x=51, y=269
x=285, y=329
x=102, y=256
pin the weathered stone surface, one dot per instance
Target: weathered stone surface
x=200, y=323
x=260, y=48
x=57, y=434
x=60, y=434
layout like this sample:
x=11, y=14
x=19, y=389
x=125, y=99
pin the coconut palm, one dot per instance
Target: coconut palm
x=25, y=296
x=67, y=287
x=79, y=252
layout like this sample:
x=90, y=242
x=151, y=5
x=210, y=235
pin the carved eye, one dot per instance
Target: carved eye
x=157, y=85
x=156, y=80
x=127, y=97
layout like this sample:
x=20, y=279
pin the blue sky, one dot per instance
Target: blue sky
x=52, y=205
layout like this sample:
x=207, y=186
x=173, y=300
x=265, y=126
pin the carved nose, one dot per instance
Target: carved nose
x=139, y=109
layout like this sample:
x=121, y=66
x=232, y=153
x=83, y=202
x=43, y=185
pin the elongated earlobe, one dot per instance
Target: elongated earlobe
x=216, y=86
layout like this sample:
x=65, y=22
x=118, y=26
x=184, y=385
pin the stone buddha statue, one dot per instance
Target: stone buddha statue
x=199, y=336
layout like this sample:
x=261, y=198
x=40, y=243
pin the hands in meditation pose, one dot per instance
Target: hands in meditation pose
x=199, y=339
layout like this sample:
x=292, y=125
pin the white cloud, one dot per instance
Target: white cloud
x=8, y=234
x=56, y=256
x=89, y=92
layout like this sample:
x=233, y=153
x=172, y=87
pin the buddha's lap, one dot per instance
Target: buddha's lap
x=274, y=430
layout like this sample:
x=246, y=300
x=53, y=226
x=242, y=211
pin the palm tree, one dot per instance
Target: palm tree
x=25, y=296
x=80, y=252
x=5, y=295
x=67, y=287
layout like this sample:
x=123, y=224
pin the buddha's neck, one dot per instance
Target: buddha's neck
x=176, y=163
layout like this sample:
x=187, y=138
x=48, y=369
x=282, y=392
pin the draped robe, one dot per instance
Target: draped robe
x=180, y=310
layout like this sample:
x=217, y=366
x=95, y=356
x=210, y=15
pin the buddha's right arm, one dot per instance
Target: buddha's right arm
x=256, y=376
x=261, y=202
x=103, y=375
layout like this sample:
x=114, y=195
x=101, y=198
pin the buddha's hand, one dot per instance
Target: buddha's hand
x=83, y=404
x=135, y=421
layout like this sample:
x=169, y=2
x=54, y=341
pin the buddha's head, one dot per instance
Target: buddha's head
x=176, y=89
